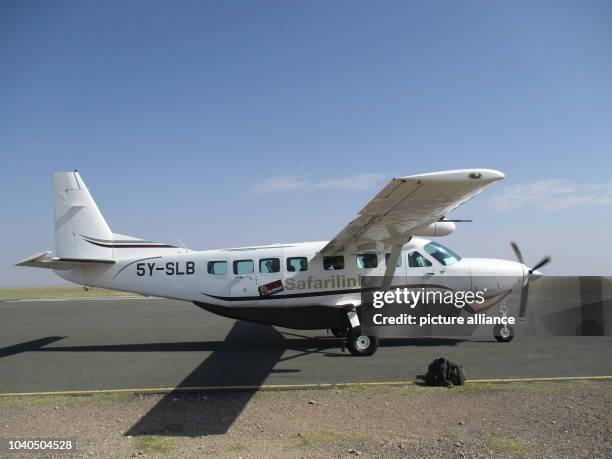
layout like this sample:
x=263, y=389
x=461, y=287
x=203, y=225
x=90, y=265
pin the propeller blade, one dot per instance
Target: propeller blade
x=525, y=289
x=542, y=262
x=524, y=295
x=517, y=252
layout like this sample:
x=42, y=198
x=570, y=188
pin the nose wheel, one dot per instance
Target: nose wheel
x=503, y=333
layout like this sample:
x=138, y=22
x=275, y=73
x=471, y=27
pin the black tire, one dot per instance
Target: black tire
x=339, y=332
x=361, y=345
x=503, y=333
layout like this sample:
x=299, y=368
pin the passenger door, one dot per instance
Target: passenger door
x=270, y=277
x=420, y=269
x=244, y=279
x=450, y=270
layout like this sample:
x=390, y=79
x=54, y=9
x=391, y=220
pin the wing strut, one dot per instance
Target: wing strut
x=396, y=251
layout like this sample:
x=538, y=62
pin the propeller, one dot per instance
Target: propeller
x=525, y=290
x=517, y=252
x=519, y=257
x=542, y=262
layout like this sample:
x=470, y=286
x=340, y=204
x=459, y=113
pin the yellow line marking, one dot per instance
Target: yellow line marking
x=552, y=378
x=288, y=386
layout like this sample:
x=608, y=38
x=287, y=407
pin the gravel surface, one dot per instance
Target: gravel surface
x=539, y=419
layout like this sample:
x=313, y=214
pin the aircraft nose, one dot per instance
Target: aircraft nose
x=498, y=275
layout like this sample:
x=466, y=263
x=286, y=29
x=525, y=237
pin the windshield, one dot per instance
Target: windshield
x=443, y=254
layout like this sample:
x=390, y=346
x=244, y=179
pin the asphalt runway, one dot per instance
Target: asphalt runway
x=77, y=345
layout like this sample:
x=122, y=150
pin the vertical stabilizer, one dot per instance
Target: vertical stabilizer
x=77, y=215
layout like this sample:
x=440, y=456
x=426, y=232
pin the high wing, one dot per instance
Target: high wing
x=409, y=205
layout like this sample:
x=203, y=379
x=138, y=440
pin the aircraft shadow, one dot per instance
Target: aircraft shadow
x=192, y=415
x=185, y=414
x=243, y=361
x=28, y=346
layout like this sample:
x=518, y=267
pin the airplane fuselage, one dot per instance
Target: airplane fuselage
x=286, y=277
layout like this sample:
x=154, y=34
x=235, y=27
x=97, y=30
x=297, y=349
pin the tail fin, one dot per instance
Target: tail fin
x=77, y=215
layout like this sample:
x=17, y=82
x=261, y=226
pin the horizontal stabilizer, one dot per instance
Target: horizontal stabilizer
x=45, y=260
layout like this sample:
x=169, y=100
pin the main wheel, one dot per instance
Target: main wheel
x=339, y=332
x=361, y=345
x=503, y=333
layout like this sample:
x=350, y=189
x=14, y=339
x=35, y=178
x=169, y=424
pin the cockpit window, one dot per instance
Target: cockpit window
x=443, y=254
x=416, y=260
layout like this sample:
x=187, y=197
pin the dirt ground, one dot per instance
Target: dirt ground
x=66, y=291
x=535, y=419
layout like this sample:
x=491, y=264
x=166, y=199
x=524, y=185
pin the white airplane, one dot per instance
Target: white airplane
x=306, y=285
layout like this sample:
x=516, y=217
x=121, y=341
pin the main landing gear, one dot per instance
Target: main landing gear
x=361, y=345
x=357, y=343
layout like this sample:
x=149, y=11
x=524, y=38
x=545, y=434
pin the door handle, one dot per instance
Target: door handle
x=430, y=274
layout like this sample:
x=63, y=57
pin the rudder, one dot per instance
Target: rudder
x=77, y=215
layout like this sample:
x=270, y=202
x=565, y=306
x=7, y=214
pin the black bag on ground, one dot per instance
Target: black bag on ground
x=442, y=372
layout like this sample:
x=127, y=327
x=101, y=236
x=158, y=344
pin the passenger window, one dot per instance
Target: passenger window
x=416, y=260
x=367, y=260
x=297, y=264
x=243, y=266
x=399, y=260
x=269, y=265
x=218, y=268
x=333, y=263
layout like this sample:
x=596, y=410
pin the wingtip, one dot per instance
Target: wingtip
x=489, y=175
x=485, y=174
x=495, y=174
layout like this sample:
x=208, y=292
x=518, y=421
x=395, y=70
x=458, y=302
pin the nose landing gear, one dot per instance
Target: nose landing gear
x=503, y=333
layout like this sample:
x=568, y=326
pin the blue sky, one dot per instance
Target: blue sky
x=238, y=123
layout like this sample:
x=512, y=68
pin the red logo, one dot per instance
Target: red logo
x=271, y=288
